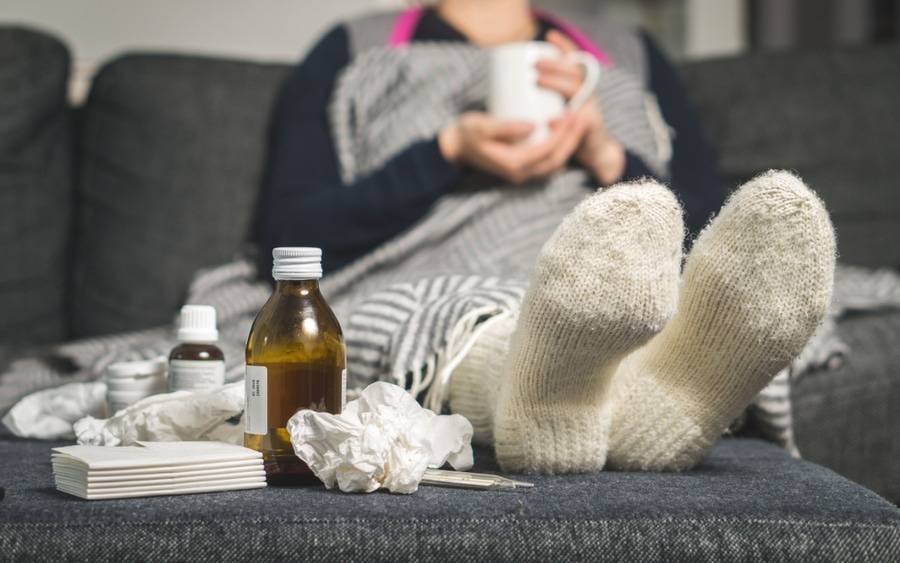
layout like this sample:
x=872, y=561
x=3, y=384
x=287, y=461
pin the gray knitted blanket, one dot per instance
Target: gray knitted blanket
x=410, y=307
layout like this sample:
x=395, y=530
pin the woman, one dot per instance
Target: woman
x=305, y=199
x=435, y=214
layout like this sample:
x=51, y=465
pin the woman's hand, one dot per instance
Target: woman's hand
x=597, y=151
x=495, y=145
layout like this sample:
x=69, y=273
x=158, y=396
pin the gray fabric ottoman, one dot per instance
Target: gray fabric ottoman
x=748, y=501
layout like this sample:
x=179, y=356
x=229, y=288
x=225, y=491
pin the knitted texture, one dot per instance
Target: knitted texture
x=476, y=380
x=604, y=284
x=756, y=285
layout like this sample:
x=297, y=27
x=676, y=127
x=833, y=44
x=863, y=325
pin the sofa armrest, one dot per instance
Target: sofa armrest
x=846, y=419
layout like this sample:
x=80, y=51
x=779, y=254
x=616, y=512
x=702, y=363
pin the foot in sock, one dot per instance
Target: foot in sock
x=604, y=284
x=755, y=286
x=475, y=383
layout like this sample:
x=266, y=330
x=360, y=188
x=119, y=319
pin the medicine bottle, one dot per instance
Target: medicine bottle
x=196, y=363
x=129, y=382
x=296, y=360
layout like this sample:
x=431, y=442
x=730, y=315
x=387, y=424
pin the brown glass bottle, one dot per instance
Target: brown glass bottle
x=296, y=359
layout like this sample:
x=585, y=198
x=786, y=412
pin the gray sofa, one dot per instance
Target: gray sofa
x=106, y=211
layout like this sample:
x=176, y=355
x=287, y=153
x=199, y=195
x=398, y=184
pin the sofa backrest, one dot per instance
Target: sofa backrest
x=172, y=151
x=833, y=117
x=35, y=186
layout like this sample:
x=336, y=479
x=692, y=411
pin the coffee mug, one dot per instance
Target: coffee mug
x=513, y=92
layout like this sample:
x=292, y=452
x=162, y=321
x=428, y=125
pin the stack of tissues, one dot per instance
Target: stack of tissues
x=383, y=439
x=156, y=468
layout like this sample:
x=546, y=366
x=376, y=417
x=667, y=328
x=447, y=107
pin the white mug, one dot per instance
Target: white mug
x=513, y=92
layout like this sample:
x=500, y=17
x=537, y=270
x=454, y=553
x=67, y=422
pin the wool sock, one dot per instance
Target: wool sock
x=755, y=286
x=604, y=284
x=475, y=382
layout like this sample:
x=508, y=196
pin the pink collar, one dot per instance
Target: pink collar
x=406, y=23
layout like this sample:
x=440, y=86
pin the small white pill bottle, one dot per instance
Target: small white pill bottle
x=129, y=382
x=197, y=363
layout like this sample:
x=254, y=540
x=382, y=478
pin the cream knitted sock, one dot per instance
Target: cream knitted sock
x=476, y=380
x=605, y=282
x=755, y=286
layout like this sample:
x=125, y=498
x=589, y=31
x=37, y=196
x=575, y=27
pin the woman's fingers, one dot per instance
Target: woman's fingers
x=523, y=162
x=562, y=75
x=570, y=138
x=559, y=66
x=494, y=147
x=561, y=41
x=566, y=85
x=535, y=153
x=505, y=129
x=515, y=162
x=503, y=161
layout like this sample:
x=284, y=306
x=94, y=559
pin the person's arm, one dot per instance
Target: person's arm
x=303, y=200
x=694, y=170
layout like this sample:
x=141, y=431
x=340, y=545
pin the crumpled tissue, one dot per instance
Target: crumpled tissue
x=49, y=413
x=383, y=439
x=169, y=417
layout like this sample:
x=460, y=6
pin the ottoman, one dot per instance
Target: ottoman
x=749, y=500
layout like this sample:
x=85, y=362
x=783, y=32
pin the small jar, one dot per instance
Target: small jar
x=129, y=382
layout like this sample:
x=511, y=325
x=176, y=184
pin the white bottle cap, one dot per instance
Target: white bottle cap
x=197, y=324
x=297, y=263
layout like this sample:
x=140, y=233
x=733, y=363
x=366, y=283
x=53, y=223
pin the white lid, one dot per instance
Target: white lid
x=197, y=324
x=297, y=263
x=138, y=368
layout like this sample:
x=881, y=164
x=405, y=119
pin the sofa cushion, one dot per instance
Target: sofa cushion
x=172, y=149
x=831, y=116
x=35, y=186
x=748, y=501
x=847, y=418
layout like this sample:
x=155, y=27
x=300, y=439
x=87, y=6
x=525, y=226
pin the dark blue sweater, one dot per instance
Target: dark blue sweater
x=304, y=202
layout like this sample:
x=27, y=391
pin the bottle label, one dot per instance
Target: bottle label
x=256, y=415
x=343, y=389
x=191, y=375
